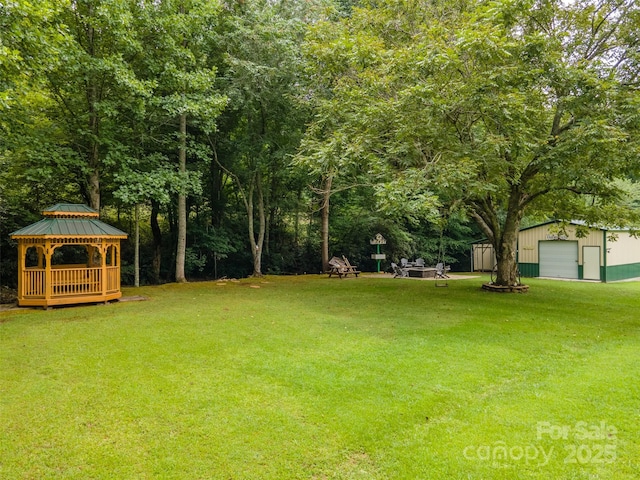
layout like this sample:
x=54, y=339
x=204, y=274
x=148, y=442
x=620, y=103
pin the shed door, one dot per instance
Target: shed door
x=591, y=263
x=558, y=259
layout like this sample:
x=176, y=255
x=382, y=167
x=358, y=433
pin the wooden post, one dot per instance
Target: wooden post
x=136, y=261
x=48, y=280
x=103, y=270
x=21, y=267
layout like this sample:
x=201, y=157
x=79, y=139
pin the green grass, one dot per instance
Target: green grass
x=317, y=378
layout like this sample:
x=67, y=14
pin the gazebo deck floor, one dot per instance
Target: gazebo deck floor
x=68, y=300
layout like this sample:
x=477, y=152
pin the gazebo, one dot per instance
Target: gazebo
x=68, y=257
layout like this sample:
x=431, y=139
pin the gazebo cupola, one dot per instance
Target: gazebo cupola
x=68, y=257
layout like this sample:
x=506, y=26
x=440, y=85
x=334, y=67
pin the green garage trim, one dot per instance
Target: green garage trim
x=622, y=272
x=529, y=269
x=603, y=271
x=611, y=274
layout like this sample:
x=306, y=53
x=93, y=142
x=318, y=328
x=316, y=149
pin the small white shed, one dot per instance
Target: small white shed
x=544, y=250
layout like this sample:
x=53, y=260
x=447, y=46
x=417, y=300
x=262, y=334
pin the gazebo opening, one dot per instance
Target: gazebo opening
x=33, y=257
x=68, y=257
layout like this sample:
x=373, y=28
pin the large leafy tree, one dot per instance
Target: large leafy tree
x=505, y=108
x=34, y=145
x=263, y=123
x=349, y=143
x=177, y=36
x=91, y=87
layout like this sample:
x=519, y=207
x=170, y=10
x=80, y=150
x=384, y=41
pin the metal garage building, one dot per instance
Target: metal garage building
x=602, y=254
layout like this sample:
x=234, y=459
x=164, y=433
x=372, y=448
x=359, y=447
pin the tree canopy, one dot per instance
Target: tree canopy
x=279, y=133
x=503, y=108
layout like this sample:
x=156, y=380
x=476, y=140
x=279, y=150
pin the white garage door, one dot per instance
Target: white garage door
x=559, y=259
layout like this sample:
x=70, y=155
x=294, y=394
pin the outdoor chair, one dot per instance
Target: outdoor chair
x=350, y=268
x=399, y=272
x=342, y=267
x=419, y=262
x=441, y=271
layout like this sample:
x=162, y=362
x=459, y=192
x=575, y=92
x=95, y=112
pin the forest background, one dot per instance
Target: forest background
x=257, y=137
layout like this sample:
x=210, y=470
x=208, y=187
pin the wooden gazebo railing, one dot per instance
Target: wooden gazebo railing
x=45, y=283
x=69, y=281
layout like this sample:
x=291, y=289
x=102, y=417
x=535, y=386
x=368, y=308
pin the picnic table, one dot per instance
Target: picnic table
x=342, y=267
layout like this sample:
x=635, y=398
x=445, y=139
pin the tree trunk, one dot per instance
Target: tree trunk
x=324, y=214
x=507, y=249
x=182, y=205
x=216, y=194
x=506, y=258
x=94, y=189
x=93, y=179
x=93, y=96
x=136, y=256
x=257, y=245
x=157, y=241
x=502, y=233
x=273, y=217
x=296, y=224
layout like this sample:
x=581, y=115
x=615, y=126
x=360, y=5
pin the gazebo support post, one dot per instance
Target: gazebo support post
x=116, y=251
x=21, y=266
x=48, y=277
x=103, y=264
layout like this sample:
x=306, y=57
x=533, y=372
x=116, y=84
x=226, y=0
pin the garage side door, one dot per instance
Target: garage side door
x=558, y=259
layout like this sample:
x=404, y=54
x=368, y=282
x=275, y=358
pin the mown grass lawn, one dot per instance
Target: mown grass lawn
x=317, y=378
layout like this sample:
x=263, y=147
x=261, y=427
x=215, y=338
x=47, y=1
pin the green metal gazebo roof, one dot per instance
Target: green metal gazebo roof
x=72, y=220
x=70, y=208
x=69, y=227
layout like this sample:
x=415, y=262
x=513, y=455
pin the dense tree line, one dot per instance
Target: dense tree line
x=261, y=136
